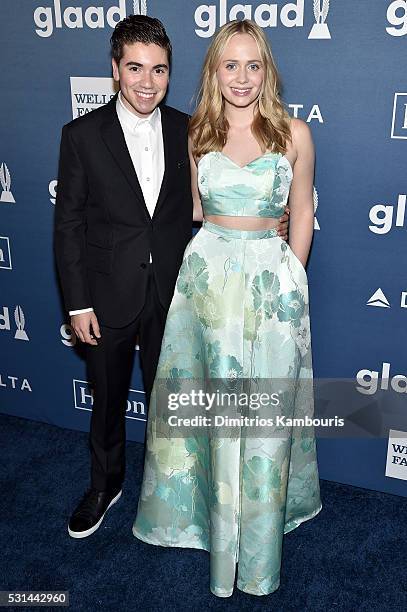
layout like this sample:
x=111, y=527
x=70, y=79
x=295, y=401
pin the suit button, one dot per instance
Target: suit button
x=143, y=265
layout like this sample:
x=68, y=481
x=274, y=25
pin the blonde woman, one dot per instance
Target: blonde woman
x=238, y=320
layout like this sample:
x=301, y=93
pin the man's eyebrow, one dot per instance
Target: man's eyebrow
x=130, y=63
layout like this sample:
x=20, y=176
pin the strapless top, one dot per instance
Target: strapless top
x=258, y=189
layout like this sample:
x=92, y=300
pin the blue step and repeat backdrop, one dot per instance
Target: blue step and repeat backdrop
x=343, y=69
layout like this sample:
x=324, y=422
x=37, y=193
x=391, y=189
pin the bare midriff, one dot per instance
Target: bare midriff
x=243, y=223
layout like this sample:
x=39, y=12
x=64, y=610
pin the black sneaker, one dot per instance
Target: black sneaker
x=89, y=514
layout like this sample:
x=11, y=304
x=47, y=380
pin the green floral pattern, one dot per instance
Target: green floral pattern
x=239, y=313
x=260, y=188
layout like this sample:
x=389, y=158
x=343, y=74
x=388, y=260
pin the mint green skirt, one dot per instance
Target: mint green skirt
x=239, y=317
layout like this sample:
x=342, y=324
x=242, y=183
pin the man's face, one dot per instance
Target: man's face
x=143, y=73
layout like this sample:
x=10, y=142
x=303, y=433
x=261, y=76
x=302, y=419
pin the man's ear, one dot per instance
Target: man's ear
x=115, y=69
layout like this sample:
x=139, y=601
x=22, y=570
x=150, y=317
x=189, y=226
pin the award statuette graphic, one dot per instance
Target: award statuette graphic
x=140, y=7
x=20, y=322
x=5, y=181
x=320, y=28
x=315, y=198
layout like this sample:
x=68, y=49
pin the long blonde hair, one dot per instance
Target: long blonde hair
x=208, y=127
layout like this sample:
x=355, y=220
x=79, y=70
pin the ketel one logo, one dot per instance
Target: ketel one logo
x=320, y=28
x=19, y=318
x=83, y=400
x=5, y=180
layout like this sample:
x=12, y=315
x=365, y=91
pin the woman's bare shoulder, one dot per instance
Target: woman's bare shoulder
x=301, y=137
x=299, y=129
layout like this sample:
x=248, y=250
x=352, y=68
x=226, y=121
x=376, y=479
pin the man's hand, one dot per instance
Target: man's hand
x=86, y=327
x=282, y=227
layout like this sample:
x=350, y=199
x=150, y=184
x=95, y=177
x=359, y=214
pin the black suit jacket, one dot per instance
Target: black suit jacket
x=103, y=231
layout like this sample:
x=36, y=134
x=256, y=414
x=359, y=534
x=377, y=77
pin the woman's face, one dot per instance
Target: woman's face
x=241, y=71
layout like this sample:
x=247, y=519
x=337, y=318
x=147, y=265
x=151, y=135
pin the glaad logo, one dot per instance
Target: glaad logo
x=397, y=16
x=399, y=119
x=208, y=16
x=83, y=400
x=5, y=254
x=19, y=318
x=369, y=381
x=320, y=28
x=5, y=180
x=52, y=189
x=73, y=17
x=20, y=323
x=315, y=198
x=68, y=336
x=13, y=382
x=139, y=7
x=381, y=216
x=378, y=299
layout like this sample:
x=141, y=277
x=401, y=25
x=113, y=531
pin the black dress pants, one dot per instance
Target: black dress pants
x=110, y=365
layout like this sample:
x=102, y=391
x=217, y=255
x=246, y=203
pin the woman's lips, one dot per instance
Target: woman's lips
x=241, y=92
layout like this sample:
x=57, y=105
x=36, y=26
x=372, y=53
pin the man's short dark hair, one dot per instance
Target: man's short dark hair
x=138, y=28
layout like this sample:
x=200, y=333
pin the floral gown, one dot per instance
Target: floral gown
x=239, y=318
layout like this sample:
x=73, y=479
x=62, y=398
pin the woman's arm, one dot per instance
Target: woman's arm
x=301, y=194
x=198, y=213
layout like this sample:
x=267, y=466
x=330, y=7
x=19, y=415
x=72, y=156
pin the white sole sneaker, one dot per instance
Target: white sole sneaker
x=88, y=532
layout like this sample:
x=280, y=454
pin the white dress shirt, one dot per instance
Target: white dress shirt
x=144, y=140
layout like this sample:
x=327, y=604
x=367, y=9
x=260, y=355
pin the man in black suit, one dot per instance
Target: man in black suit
x=123, y=219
